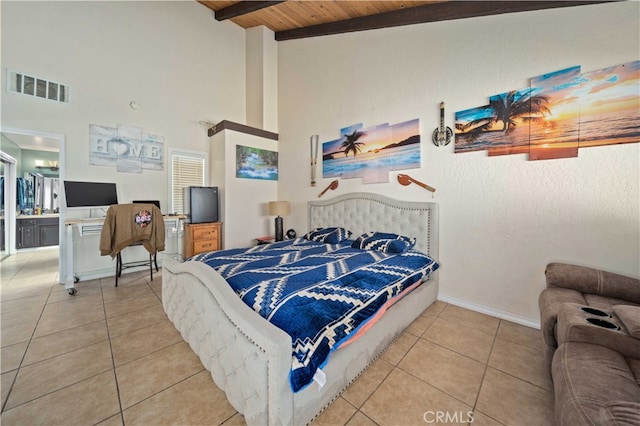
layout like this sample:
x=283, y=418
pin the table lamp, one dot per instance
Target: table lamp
x=278, y=209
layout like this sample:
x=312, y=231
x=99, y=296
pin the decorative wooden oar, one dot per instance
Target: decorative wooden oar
x=333, y=185
x=407, y=180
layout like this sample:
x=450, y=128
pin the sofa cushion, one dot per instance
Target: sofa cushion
x=586, y=377
x=630, y=317
x=593, y=281
x=620, y=413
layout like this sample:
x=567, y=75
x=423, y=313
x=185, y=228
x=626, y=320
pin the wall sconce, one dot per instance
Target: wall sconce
x=278, y=209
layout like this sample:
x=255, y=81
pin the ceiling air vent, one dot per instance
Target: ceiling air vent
x=21, y=83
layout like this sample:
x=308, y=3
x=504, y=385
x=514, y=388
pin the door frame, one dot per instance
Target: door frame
x=60, y=138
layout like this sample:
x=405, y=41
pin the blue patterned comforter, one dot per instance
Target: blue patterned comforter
x=320, y=294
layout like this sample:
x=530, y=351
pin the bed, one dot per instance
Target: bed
x=250, y=359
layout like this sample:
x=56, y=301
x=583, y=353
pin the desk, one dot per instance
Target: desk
x=94, y=227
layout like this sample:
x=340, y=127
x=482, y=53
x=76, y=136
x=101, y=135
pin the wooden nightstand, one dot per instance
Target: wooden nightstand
x=201, y=237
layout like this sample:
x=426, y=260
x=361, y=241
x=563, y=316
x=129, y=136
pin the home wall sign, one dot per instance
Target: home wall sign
x=556, y=115
x=373, y=152
x=127, y=148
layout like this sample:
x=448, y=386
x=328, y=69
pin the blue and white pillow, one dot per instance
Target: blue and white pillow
x=384, y=242
x=332, y=235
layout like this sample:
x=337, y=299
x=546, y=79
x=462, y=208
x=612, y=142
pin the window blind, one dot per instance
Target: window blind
x=187, y=170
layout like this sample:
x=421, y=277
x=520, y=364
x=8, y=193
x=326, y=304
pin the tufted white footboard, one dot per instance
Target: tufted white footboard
x=248, y=357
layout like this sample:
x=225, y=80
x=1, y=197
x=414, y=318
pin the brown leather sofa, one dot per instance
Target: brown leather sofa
x=590, y=321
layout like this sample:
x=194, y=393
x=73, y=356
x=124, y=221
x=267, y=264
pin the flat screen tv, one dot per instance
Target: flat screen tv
x=201, y=204
x=90, y=194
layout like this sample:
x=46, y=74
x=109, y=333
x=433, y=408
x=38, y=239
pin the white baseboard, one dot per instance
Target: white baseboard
x=509, y=316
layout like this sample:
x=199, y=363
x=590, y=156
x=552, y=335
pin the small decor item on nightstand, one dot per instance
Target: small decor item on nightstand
x=291, y=234
x=278, y=209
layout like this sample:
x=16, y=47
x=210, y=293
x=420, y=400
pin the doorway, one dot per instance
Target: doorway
x=25, y=139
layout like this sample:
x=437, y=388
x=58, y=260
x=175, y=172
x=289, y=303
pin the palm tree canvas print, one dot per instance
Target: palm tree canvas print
x=559, y=113
x=555, y=127
x=372, y=152
x=512, y=112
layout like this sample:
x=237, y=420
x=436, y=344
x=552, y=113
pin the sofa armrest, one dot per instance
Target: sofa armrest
x=593, y=281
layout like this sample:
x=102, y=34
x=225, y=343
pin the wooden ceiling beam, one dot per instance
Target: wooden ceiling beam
x=242, y=8
x=428, y=13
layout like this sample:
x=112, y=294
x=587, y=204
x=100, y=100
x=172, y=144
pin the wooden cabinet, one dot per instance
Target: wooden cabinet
x=201, y=237
x=37, y=232
x=26, y=233
x=48, y=232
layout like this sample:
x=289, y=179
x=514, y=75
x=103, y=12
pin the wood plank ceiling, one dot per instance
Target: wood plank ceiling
x=309, y=18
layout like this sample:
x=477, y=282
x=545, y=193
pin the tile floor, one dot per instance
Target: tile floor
x=110, y=356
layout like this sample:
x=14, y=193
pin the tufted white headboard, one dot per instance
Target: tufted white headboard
x=362, y=212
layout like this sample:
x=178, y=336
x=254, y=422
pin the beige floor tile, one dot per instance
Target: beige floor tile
x=471, y=319
x=131, y=304
x=436, y=308
x=112, y=421
x=11, y=356
x=235, y=420
x=144, y=341
x=17, y=333
x=6, y=380
x=399, y=348
x=481, y=419
x=455, y=374
x=56, y=373
x=119, y=294
x=524, y=362
x=132, y=321
x=16, y=290
x=55, y=344
x=520, y=334
x=195, y=401
x=358, y=392
x=512, y=401
x=28, y=314
x=18, y=305
x=420, y=324
x=127, y=279
x=69, y=314
x=360, y=419
x=459, y=338
x=338, y=413
x=89, y=289
x=155, y=372
x=85, y=403
x=156, y=286
x=403, y=399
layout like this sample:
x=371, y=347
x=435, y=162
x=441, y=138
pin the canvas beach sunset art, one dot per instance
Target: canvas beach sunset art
x=371, y=153
x=559, y=113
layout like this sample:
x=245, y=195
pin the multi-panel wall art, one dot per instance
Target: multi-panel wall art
x=127, y=148
x=557, y=114
x=373, y=152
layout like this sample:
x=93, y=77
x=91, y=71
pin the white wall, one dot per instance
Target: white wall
x=502, y=218
x=244, y=203
x=174, y=58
